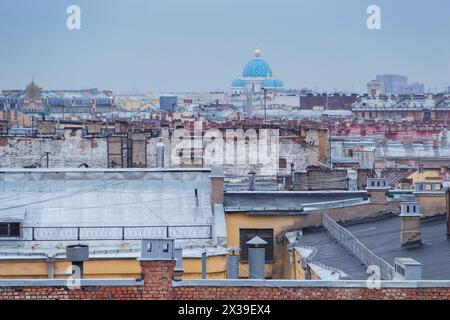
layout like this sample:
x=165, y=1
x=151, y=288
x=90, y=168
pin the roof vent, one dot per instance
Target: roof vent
x=408, y=269
x=77, y=254
x=256, y=258
x=157, y=249
x=377, y=184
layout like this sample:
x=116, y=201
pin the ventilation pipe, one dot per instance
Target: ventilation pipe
x=204, y=265
x=178, y=270
x=256, y=258
x=77, y=254
x=252, y=181
x=293, y=182
x=160, y=153
x=233, y=263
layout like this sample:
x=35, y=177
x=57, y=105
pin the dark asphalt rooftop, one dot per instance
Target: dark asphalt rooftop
x=382, y=236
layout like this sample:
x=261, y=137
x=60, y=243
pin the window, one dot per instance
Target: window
x=282, y=163
x=248, y=234
x=10, y=229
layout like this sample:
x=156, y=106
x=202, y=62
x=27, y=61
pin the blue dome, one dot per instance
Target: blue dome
x=257, y=68
x=272, y=84
x=269, y=84
x=238, y=83
x=278, y=83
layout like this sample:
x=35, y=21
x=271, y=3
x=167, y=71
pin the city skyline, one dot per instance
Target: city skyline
x=198, y=46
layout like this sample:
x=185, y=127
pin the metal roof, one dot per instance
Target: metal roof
x=105, y=197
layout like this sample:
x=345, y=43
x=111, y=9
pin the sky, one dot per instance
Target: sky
x=201, y=45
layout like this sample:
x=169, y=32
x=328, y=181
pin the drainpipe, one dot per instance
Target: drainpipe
x=252, y=181
x=293, y=182
x=50, y=267
x=204, y=265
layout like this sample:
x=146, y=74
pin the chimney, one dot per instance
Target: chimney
x=421, y=168
x=77, y=254
x=157, y=249
x=410, y=234
x=256, y=258
x=160, y=153
x=407, y=269
x=233, y=262
x=377, y=189
x=157, y=262
x=217, y=180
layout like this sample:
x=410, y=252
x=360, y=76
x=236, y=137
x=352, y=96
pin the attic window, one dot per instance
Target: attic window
x=10, y=229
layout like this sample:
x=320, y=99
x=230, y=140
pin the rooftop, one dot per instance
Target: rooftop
x=290, y=201
x=102, y=204
x=382, y=237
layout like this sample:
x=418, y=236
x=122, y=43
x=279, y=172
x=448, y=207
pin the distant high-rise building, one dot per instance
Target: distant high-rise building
x=168, y=103
x=394, y=84
x=415, y=88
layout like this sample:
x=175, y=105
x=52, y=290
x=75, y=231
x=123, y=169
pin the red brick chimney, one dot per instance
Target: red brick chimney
x=157, y=276
x=157, y=268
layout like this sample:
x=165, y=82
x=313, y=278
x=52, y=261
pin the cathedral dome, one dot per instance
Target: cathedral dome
x=257, y=68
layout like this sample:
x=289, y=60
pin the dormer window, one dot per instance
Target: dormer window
x=9, y=229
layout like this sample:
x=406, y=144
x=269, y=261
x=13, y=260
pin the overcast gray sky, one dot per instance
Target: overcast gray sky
x=200, y=45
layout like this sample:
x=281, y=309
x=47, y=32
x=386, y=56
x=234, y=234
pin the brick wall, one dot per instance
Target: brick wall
x=157, y=284
x=267, y=293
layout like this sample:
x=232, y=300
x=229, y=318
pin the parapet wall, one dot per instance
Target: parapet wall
x=156, y=283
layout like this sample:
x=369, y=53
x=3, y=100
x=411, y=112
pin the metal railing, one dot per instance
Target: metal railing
x=181, y=232
x=352, y=244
